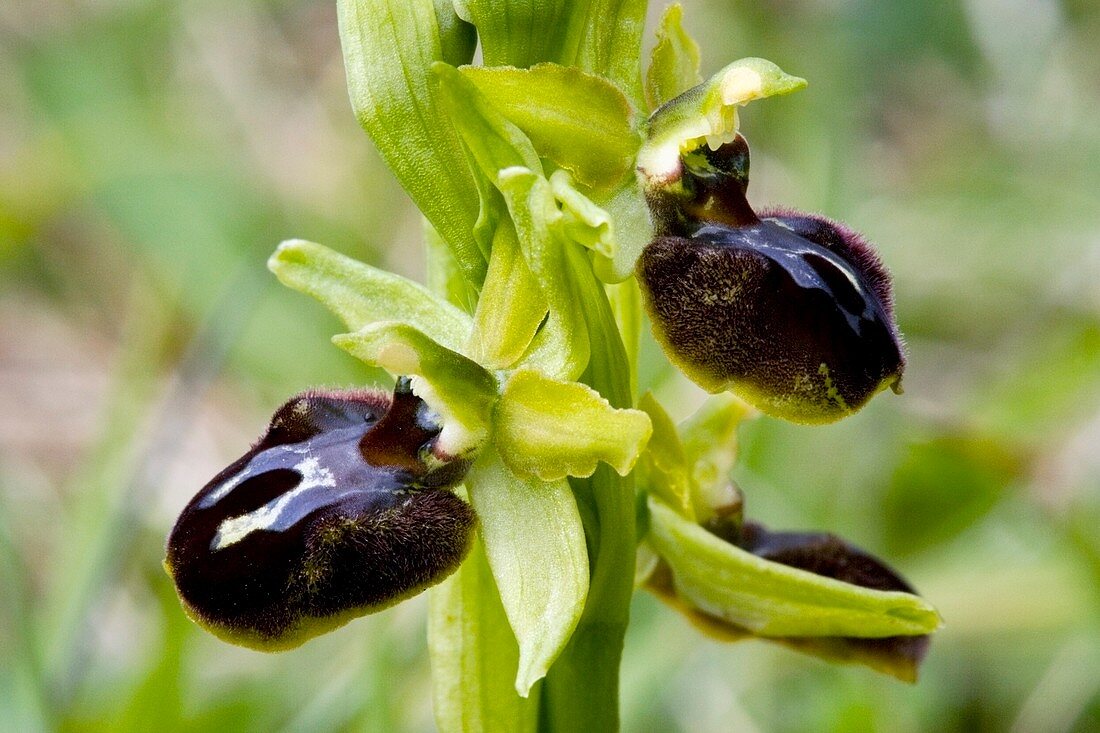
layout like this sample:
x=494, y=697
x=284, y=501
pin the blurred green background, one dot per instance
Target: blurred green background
x=152, y=154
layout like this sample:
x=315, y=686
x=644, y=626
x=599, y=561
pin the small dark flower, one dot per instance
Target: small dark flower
x=791, y=311
x=820, y=553
x=339, y=510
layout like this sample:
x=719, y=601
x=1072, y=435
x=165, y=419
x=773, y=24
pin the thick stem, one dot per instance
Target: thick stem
x=581, y=690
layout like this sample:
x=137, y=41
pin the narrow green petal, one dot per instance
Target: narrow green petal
x=674, y=62
x=360, y=294
x=459, y=389
x=506, y=156
x=474, y=654
x=389, y=47
x=511, y=307
x=707, y=114
x=561, y=348
x=580, y=121
x=616, y=229
x=536, y=548
x=494, y=142
x=771, y=599
x=552, y=429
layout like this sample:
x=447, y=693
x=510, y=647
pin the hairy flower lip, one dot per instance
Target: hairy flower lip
x=791, y=311
x=335, y=512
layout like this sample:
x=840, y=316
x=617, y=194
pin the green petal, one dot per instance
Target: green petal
x=771, y=599
x=552, y=429
x=536, y=548
x=360, y=294
x=459, y=389
x=674, y=62
x=707, y=114
x=511, y=307
x=580, y=121
x=389, y=47
x=474, y=654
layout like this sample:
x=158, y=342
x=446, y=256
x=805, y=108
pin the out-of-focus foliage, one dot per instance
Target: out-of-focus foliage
x=151, y=155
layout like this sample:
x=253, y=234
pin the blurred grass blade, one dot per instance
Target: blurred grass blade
x=389, y=47
x=459, y=389
x=360, y=294
x=474, y=654
x=536, y=548
x=772, y=599
x=580, y=121
x=674, y=62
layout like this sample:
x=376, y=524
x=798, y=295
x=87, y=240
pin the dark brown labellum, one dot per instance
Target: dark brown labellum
x=337, y=511
x=791, y=311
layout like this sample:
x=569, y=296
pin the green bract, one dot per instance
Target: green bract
x=515, y=436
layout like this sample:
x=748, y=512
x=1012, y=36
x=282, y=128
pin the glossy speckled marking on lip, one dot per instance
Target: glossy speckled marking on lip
x=332, y=514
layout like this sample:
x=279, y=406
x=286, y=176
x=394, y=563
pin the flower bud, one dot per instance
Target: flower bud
x=339, y=510
x=790, y=311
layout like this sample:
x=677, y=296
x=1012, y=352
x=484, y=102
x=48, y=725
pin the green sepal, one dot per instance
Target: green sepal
x=506, y=157
x=535, y=544
x=360, y=294
x=710, y=444
x=561, y=348
x=518, y=32
x=494, y=142
x=511, y=307
x=771, y=599
x=580, y=121
x=444, y=276
x=674, y=62
x=604, y=37
x=633, y=231
x=667, y=471
x=707, y=114
x=388, y=50
x=552, y=429
x=897, y=656
x=474, y=654
x=457, y=38
x=460, y=390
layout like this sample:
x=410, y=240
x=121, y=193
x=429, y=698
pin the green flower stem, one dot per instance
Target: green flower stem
x=581, y=691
